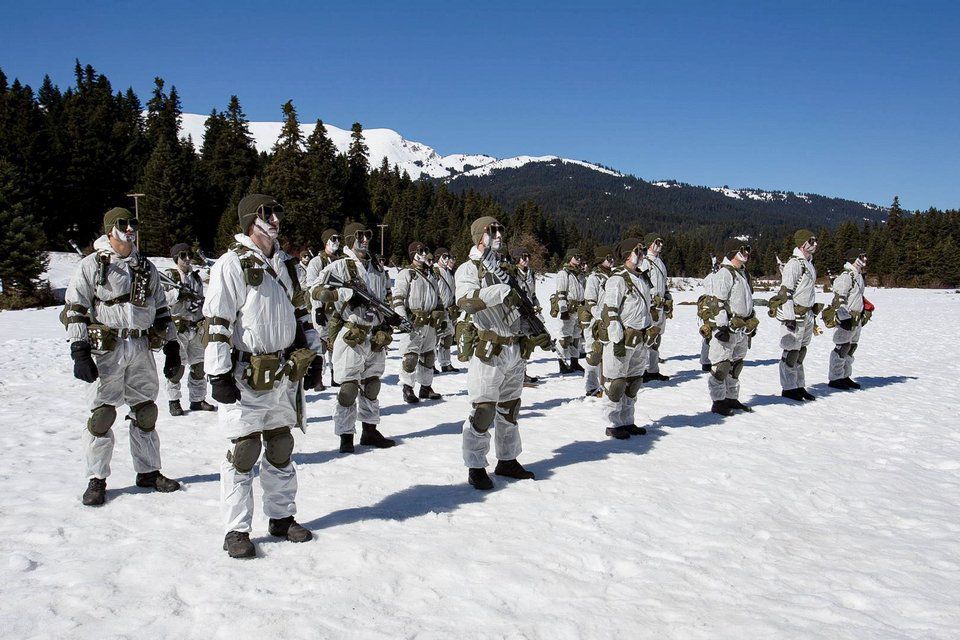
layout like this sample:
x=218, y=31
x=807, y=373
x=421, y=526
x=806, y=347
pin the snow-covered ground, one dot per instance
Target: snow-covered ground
x=834, y=519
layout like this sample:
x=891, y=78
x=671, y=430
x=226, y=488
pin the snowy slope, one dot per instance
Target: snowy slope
x=835, y=519
x=415, y=158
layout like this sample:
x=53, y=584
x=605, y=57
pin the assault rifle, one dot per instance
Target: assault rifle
x=534, y=323
x=360, y=288
x=193, y=300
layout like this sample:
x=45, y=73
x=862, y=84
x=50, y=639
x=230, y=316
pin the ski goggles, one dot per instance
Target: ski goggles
x=657, y=243
x=524, y=256
x=444, y=256
x=745, y=248
x=812, y=241
x=363, y=234
x=335, y=238
x=127, y=223
x=496, y=227
x=267, y=211
x=185, y=255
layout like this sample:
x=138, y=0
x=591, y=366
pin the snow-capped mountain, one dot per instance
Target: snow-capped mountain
x=417, y=159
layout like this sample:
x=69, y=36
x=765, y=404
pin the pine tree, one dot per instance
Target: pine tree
x=285, y=178
x=357, y=196
x=325, y=185
x=22, y=255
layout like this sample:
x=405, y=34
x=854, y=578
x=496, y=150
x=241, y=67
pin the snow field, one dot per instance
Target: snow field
x=833, y=519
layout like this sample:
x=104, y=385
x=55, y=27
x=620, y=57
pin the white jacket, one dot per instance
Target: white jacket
x=86, y=298
x=180, y=306
x=492, y=289
x=415, y=290
x=593, y=291
x=848, y=287
x=259, y=318
x=372, y=273
x=629, y=304
x=799, y=277
x=731, y=286
x=657, y=272
x=446, y=286
x=569, y=288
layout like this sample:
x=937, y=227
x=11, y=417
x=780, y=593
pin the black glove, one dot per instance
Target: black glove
x=224, y=388
x=84, y=368
x=314, y=374
x=171, y=359
x=394, y=320
x=722, y=334
x=791, y=325
x=355, y=301
x=846, y=325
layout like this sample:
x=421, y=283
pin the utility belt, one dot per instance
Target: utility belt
x=800, y=310
x=183, y=325
x=634, y=337
x=263, y=371
x=436, y=319
x=745, y=324
x=490, y=344
x=355, y=334
x=104, y=338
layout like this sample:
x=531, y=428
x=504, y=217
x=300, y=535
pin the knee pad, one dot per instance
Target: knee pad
x=245, y=452
x=566, y=341
x=721, y=370
x=791, y=357
x=371, y=388
x=347, y=394
x=843, y=350
x=447, y=342
x=594, y=358
x=803, y=354
x=177, y=375
x=509, y=410
x=616, y=388
x=278, y=445
x=409, y=362
x=633, y=386
x=196, y=371
x=482, y=416
x=853, y=347
x=145, y=415
x=427, y=359
x=737, y=368
x=101, y=419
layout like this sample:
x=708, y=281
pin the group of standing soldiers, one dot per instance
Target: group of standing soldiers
x=268, y=323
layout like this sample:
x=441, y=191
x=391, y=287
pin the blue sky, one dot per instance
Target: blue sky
x=859, y=100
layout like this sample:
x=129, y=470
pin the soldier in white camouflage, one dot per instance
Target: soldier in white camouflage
x=661, y=302
x=589, y=315
x=443, y=270
x=416, y=296
x=795, y=305
x=321, y=312
x=848, y=312
x=184, y=291
x=565, y=304
x=115, y=312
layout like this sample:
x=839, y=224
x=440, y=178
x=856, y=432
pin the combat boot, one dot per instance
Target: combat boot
x=409, y=396
x=427, y=393
x=157, y=481
x=659, y=377
x=705, y=367
x=289, y=528
x=372, y=437
x=449, y=368
x=806, y=395
x=564, y=367
x=852, y=384
x=512, y=469
x=175, y=409
x=203, y=405
x=839, y=383
x=620, y=433
x=793, y=394
x=96, y=493
x=346, y=443
x=594, y=393
x=479, y=479
x=575, y=365
x=721, y=407
x=739, y=406
x=634, y=430
x=237, y=545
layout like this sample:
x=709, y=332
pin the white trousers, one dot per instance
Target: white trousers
x=570, y=332
x=191, y=353
x=842, y=367
x=730, y=351
x=591, y=378
x=632, y=365
x=653, y=353
x=236, y=494
x=420, y=341
x=357, y=364
x=498, y=380
x=793, y=377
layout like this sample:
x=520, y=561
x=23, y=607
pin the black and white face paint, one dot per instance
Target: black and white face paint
x=127, y=236
x=332, y=246
x=268, y=229
x=495, y=243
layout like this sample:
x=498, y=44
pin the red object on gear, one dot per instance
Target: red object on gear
x=867, y=305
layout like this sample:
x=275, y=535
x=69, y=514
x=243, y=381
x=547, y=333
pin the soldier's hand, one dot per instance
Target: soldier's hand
x=224, y=388
x=668, y=307
x=171, y=359
x=512, y=300
x=722, y=334
x=324, y=295
x=846, y=324
x=355, y=301
x=84, y=368
x=791, y=325
x=314, y=374
x=619, y=349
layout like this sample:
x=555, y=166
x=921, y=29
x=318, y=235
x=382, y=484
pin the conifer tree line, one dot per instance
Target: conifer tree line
x=66, y=156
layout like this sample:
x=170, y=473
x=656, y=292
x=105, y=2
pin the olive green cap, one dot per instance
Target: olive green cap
x=626, y=246
x=479, y=226
x=801, y=237
x=650, y=238
x=247, y=209
x=327, y=234
x=110, y=217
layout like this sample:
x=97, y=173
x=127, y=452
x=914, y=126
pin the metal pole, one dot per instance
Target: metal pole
x=136, y=212
x=382, y=227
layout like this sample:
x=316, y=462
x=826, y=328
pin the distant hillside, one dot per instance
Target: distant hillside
x=606, y=204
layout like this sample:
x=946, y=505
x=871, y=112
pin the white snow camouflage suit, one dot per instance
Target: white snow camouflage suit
x=731, y=287
x=799, y=279
x=187, y=316
x=416, y=297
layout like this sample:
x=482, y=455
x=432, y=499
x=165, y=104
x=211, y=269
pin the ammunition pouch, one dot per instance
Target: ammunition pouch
x=465, y=333
x=746, y=324
x=633, y=337
x=101, y=337
x=595, y=355
x=829, y=315
x=355, y=333
x=708, y=308
x=157, y=337
x=584, y=315
x=653, y=336
x=654, y=313
x=252, y=271
x=420, y=318
x=438, y=319
x=263, y=371
x=865, y=317
x=298, y=364
x=706, y=330
x=599, y=332
x=334, y=326
x=381, y=339
x=799, y=310
x=453, y=311
x=489, y=344
x=554, y=306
